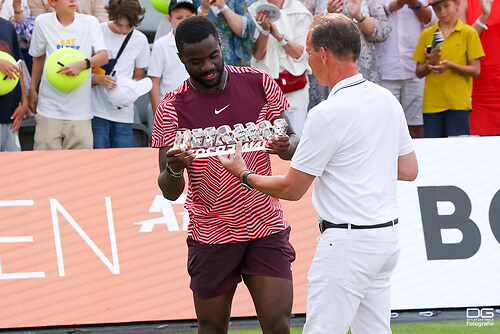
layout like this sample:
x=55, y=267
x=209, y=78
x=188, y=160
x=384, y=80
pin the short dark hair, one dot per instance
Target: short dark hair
x=128, y=9
x=194, y=29
x=338, y=34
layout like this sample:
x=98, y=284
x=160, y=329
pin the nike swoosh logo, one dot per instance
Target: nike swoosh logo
x=220, y=110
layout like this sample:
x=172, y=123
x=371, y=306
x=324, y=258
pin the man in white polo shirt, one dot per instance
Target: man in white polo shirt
x=355, y=146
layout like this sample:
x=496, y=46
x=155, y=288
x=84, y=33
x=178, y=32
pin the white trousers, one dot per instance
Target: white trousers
x=349, y=281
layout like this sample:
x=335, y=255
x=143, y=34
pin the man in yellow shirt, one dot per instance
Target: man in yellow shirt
x=448, y=70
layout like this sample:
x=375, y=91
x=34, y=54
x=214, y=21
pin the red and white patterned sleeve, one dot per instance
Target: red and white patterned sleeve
x=165, y=123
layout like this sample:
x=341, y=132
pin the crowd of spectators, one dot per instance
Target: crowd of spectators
x=394, y=54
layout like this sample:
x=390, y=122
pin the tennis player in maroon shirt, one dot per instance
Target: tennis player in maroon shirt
x=234, y=233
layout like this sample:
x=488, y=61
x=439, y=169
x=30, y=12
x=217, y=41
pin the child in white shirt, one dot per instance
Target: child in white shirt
x=165, y=68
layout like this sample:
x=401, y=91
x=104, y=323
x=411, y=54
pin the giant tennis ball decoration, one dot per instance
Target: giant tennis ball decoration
x=58, y=59
x=161, y=5
x=7, y=84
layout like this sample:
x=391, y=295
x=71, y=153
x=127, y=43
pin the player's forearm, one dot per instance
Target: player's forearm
x=294, y=142
x=171, y=187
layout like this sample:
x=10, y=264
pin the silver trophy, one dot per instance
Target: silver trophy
x=186, y=140
x=280, y=126
x=224, y=135
x=210, y=136
x=239, y=132
x=178, y=140
x=252, y=131
x=266, y=130
x=198, y=135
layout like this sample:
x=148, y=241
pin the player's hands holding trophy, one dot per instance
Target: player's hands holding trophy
x=275, y=137
x=213, y=141
x=178, y=159
x=280, y=142
x=234, y=163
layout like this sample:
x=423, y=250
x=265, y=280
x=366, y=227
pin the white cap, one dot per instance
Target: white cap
x=128, y=90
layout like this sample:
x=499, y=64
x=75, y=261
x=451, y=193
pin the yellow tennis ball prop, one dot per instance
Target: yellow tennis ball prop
x=58, y=59
x=161, y=5
x=7, y=84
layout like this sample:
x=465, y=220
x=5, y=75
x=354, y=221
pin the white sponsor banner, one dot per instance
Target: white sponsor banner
x=450, y=226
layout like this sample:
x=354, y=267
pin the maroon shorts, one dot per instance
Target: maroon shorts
x=214, y=269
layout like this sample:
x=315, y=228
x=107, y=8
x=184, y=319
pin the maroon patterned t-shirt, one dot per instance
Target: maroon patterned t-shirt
x=220, y=209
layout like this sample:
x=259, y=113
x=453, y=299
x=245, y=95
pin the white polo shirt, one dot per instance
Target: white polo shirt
x=351, y=143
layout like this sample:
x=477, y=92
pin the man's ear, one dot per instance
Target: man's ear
x=325, y=55
x=180, y=57
x=52, y=2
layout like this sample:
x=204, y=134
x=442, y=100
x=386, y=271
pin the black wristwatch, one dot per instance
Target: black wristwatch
x=244, y=179
x=417, y=7
x=88, y=63
x=172, y=173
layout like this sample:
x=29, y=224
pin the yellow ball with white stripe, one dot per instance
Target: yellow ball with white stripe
x=58, y=59
x=7, y=84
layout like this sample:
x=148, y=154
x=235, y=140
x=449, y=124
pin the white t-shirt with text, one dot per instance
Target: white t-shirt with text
x=49, y=35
